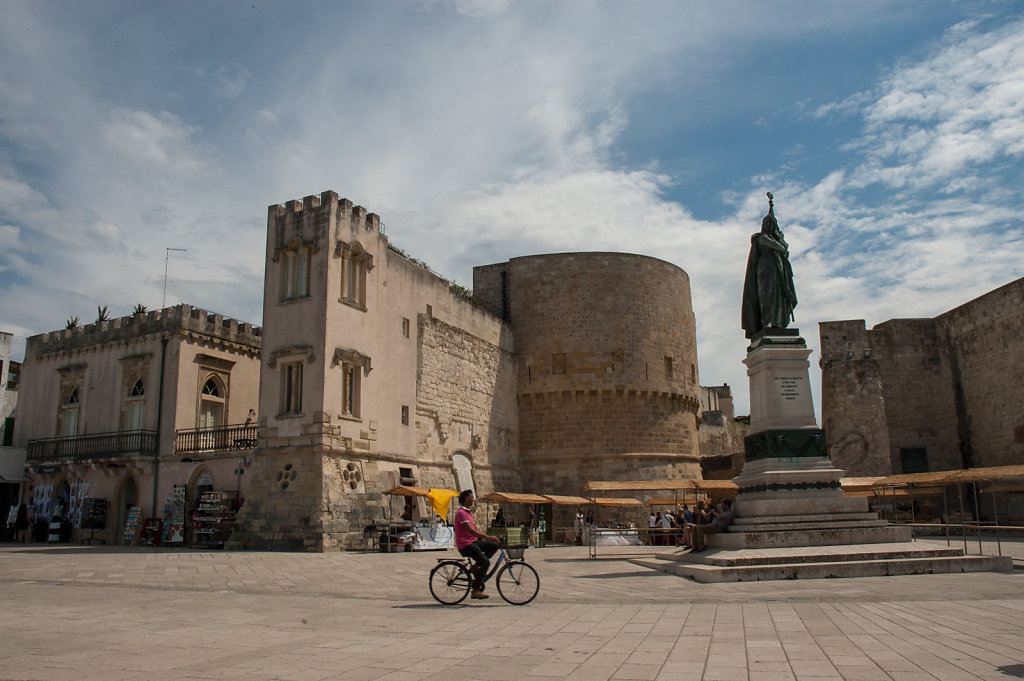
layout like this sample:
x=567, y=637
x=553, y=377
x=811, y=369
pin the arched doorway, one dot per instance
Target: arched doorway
x=127, y=497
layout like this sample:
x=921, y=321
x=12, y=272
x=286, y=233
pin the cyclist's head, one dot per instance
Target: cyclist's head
x=464, y=496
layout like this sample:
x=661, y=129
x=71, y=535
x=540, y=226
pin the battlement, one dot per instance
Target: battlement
x=314, y=207
x=181, y=317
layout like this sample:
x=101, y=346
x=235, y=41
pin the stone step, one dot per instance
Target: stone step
x=707, y=574
x=818, y=554
x=831, y=536
x=822, y=524
x=756, y=521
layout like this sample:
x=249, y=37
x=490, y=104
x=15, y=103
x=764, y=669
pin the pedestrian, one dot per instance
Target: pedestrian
x=12, y=518
x=22, y=523
x=531, y=524
x=579, y=526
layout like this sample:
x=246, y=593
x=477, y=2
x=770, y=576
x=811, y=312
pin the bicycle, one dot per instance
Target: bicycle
x=518, y=583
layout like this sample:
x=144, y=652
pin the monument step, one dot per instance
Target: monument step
x=707, y=574
x=831, y=536
x=745, y=521
x=826, y=554
x=823, y=524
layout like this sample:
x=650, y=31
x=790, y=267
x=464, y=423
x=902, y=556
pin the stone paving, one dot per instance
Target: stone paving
x=109, y=613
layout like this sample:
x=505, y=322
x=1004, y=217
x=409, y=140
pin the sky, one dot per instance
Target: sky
x=891, y=134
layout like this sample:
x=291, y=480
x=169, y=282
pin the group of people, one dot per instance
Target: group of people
x=695, y=524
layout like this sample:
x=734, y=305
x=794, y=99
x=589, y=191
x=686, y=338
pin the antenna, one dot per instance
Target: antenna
x=167, y=258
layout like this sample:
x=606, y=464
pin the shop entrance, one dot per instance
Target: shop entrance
x=128, y=497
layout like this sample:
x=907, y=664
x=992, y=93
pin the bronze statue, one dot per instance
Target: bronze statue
x=768, y=292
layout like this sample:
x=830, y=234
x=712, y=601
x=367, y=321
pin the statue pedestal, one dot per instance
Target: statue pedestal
x=785, y=457
x=789, y=491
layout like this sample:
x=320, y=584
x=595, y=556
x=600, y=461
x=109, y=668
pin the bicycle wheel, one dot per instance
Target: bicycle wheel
x=518, y=583
x=449, y=582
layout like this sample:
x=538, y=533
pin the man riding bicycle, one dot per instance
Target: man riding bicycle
x=472, y=543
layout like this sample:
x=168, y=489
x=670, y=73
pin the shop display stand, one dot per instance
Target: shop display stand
x=94, y=518
x=131, y=526
x=152, y=530
x=213, y=518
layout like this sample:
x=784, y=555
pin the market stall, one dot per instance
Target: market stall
x=423, y=535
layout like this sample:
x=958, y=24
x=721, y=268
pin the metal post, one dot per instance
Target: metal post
x=963, y=528
x=945, y=513
x=977, y=513
x=995, y=516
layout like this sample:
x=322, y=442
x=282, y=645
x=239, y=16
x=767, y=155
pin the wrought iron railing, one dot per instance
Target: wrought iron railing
x=124, y=443
x=219, y=438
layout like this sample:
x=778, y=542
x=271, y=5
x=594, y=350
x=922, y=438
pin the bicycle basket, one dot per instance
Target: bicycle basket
x=515, y=552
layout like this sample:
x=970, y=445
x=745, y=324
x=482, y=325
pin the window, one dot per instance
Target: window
x=295, y=274
x=668, y=367
x=914, y=459
x=350, y=390
x=405, y=415
x=405, y=327
x=69, y=409
x=8, y=431
x=354, y=265
x=134, y=406
x=291, y=388
x=211, y=403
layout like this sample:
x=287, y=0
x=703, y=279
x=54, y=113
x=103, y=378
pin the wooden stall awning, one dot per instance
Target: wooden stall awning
x=560, y=500
x=512, y=498
x=963, y=475
x=406, y=491
x=637, y=485
x=615, y=502
x=721, y=486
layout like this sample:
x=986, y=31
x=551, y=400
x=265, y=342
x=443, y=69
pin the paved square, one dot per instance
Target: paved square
x=109, y=613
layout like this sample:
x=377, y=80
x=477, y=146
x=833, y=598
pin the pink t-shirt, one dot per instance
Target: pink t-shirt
x=462, y=537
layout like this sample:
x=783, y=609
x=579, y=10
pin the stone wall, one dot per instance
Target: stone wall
x=986, y=337
x=465, y=403
x=951, y=385
x=853, y=406
x=606, y=366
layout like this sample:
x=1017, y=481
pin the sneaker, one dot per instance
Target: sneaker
x=530, y=546
x=476, y=593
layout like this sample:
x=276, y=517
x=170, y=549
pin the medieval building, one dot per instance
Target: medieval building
x=916, y=395
x=369, y=371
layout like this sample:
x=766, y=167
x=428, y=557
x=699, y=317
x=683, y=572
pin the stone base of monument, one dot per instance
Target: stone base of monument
x=792, y=518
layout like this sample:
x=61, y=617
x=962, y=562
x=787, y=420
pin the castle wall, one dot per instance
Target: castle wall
x=466, y=403
x=853, y=405
x=986, y=336
x=606, y=366
x=950, y=385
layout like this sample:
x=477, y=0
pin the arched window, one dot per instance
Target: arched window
x=135, y=406
x=211, y=404
x=69, y=409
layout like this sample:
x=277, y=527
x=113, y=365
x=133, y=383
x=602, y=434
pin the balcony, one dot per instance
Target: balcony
x=122, y=444
x=212, y=440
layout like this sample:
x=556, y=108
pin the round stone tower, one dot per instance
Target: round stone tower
x=606, y=361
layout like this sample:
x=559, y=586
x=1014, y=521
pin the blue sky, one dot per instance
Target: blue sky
x=890, y=132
